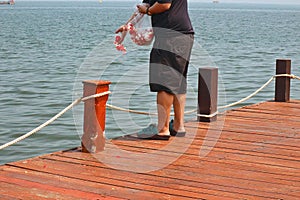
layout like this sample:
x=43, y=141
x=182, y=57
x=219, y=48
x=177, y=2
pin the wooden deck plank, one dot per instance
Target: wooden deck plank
x=255, y=147
x=5, y=197
x=267, y=117
x=192, y=179
x=283, y=172
x=218, y=173
x=253, y=152
x=272, y=105
x=243, y=124
x=240, y=124
x=142, y=188
x=263, y=116
x=220, y=156
x=231, y=157
x=176, y=165
x=275, y=110
x=242, y=173
x=234, y=135
x=187, y=183
x=89, y=189
x=16, y=187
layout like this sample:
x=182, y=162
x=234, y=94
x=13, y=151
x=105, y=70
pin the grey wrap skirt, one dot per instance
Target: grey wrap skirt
x=169, y=60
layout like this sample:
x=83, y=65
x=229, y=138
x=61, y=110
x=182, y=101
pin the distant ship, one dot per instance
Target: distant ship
x=11, y=2
x=215, y=1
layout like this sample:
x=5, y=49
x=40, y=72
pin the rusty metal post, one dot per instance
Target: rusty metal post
x=93, y=139
x=282, y=84
x=207, y=94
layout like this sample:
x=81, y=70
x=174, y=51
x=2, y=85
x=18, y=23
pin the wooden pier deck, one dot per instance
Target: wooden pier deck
x=250, y=153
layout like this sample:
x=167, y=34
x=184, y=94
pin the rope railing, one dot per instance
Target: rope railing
x=259, y=90
x=251, y=95
x=82, y=99
x=221, y=107
x=129, y=111
x=74, y=103
x=141, y=112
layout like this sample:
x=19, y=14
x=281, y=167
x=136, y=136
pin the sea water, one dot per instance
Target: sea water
x=48, y=48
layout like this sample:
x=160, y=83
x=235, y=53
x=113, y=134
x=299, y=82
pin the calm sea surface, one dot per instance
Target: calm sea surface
x=48, y=48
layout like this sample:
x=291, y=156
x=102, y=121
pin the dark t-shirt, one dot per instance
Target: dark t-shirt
x=176, y=18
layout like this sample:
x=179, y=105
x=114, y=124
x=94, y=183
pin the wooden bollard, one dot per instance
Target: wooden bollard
x=207, y=94
x=282, y=84
x=93, y=139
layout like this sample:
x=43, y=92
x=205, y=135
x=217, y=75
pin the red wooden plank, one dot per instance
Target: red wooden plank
x=141, y=187
x=186, y=167
x=252, y=173
x=173, y=175
x=263, y=105
x=285, y=109
x=220, y=156
x=270, y=117
x=22, y=192
x=243, y=137
x=285, y=152
x=290, y=158
x=234, y=135
x=48, y=191
x=289, y=173
x=246, y=124
x=268, y=127
x=229, y=178
x=40, y=176
x=101, y=191
x=5, y=197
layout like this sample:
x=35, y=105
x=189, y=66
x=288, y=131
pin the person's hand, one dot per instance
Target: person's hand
x=142, y=8
x=121, y=29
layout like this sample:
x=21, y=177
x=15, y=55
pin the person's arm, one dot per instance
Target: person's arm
x=123, y=27
x=156, y=8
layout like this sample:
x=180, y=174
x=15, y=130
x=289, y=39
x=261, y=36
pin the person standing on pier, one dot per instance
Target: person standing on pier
x=169, y=60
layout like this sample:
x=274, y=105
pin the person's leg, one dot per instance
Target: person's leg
x=164, y=105
x=179, y=104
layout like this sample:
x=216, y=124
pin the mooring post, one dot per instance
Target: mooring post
x=93, y=139
x=282, y=84
x=207, y=94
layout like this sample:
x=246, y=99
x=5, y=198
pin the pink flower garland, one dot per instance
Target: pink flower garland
x=140, y=36
x=119, y=46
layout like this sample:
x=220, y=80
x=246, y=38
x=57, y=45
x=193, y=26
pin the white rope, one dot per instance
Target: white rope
x=257, y=91
x=221, y=107
x=250, y=96
x=191, y=111
x=74, y=103
x=297, y=77
x=95, y=96
x=129, y=111
x=142, y=112
x=208, y=116
x=292, y=76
